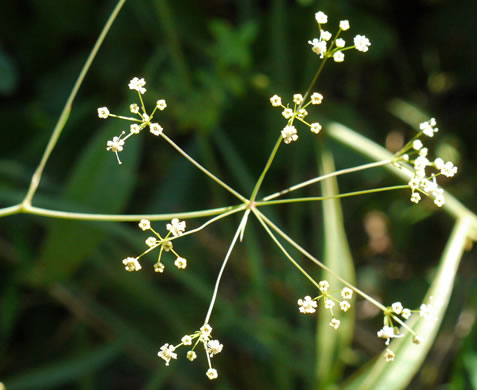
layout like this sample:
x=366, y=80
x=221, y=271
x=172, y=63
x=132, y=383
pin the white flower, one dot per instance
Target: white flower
x=427, y=311
x=389, y=355
x=214, y=347
x=205, y=332
x=417, y=144
x=334, y=323
x=397, y=307
x=421, y=163
x=167, y=353
x=449, y=169
x=131, y=264
x=329, y=304
x=415, y=197
x=338, y=56
x=302, y=113
x=138, y=85
x=321, y=17
x=323, y=285
x=406, y=313
x=347, y=293
x=186, y=340
x=423, y=152
x=191, y=355
x=439, y=200
x=344, y=25
x=298, y=98
x=428, y=127
x=161, y=104
x=307, y=305
x=325, y=35
x=276, y=101
x=212, y=373
x=159, y=267
x=145, y=224
x=361, y=43
x=345, y=305
x=315, y=128
x=145, y=117
x=176, y=227
x=439, y=163
x=134, y=108
x=319, y=47
x=116, y=145
x=289, y=134
x=287, y=113
x=180, y=263
x=103, y=112
x=135, y=129
x=415, y=182
x=151, y=241
x=155, y=128
x=340, y=42
x=387, y=333
x=316, y=98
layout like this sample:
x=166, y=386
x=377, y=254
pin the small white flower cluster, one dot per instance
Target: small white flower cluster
x=337, y=45
x=308, y=305
x=415, y=153
x=176, y=228
x=389, y=331
x=116, y=145
x=299, y=112
x=211, y=347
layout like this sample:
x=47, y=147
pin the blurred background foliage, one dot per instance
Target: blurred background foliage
x=72, y=318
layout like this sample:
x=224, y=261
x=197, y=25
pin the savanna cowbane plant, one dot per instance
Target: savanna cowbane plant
x=412, y=158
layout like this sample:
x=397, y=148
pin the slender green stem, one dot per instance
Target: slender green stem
x=265, y=170
x=319, y=263
x=327, y=176
x=312, y=84
x=35, y=181
x=212, y=220
x=222, y=268
x=123, y=218
x=317, y=198
x=280, y=246
x=208, y=173
x=16, y=209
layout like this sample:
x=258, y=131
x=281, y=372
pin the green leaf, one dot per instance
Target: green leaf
x=98, y=184
x=409, y=356
x=332, y=344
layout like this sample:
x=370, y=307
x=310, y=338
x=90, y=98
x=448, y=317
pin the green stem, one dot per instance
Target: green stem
x=280, y=246
x=317, y=74
x=222, y=268
x=35, y=181
x=319, y=263
x=11, y=210
x=117, y=217
x=209, y=174
x=327, y=176
x=317, y=198
x=265, y=170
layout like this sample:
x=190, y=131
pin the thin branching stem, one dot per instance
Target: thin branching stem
x=122, y=217
x=204, y=170
x=35, y=181
x=317, y=198
x=222, y=268
x=327, y=176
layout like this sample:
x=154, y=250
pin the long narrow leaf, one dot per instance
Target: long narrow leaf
x=409, y=357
